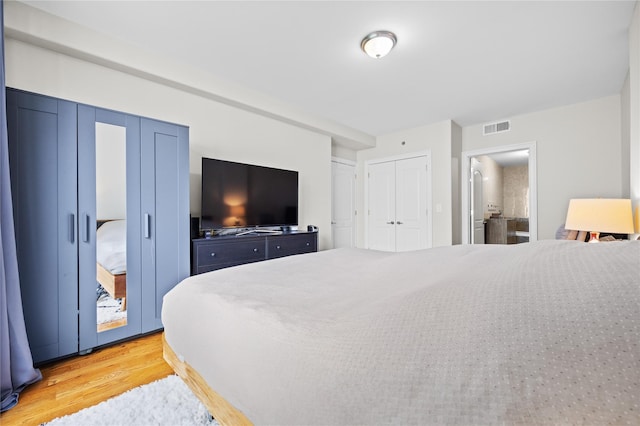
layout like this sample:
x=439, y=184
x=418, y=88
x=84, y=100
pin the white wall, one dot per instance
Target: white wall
x=456, y=193
x=216, y=130
x=515, y=191
x=634, y=108
x=436, y=138
x=492, y=186
x=578, y=154
x=625, y=128
x=343, y=153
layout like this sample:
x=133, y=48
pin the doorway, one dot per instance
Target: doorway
x=499, y=211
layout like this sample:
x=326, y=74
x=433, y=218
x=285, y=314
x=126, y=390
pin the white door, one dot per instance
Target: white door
x=382, y=206
x=411, y=204
x=398, y=212
x=343, y=204
x=477, y=209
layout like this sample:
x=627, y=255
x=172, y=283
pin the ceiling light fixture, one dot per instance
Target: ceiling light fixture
x=378, y=43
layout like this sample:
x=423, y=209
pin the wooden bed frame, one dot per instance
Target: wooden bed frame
x=218, y=407
x=116, y=285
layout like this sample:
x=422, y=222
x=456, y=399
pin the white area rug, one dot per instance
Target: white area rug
x=166, y=401
x=108, y=309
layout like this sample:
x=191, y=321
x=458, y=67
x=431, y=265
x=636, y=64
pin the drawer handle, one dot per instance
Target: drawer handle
x=255, y=250
x=147, y=225
x=278, y=247
x=86, y=228
x=308, y=244
x=213, y=254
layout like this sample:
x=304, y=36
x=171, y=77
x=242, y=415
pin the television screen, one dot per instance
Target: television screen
x=237, y=195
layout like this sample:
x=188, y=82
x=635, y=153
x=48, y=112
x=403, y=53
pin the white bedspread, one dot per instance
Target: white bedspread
x=111, y=246
x=539, y=333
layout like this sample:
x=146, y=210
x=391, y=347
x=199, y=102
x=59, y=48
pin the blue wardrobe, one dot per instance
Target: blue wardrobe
x=78, y=173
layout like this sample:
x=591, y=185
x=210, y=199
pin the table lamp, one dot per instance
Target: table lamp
x=597, y=215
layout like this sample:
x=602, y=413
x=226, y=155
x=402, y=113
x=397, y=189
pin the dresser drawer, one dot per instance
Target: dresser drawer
x=230, y=252
x=201, y=269
x=288, y=245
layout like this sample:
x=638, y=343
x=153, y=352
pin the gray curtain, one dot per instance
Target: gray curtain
x=15, y=356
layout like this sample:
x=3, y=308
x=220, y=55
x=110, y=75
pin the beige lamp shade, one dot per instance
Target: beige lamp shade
x=600, y=215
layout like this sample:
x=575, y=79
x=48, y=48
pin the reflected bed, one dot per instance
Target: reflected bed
x=111, y=254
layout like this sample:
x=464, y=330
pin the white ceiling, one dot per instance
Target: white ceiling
x=471, y=62
x=511, y=158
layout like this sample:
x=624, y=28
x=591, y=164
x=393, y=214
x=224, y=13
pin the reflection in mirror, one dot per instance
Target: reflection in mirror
x=111, y=236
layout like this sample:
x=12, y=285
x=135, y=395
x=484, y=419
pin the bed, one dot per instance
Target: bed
x=539, y=333
x=111, y=255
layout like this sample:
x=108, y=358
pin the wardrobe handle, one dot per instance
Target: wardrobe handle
x=147, y=225
x=390, y=223
x=72, y=228
x=85, y=237
x=399, y=223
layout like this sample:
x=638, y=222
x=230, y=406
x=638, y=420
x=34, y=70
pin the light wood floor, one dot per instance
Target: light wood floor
x=82, y=381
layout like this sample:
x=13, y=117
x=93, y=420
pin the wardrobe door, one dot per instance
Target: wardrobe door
x=110, y=232
x=165, y=214
x=42, y=156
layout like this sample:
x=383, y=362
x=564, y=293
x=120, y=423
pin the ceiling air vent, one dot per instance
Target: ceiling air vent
x=491, y=128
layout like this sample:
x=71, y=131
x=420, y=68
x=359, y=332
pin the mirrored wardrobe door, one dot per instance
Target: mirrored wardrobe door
x=109, y=206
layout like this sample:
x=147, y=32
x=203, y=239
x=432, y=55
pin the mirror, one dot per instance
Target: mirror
x=111, y=235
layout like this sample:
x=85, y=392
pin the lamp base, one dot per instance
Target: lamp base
x=594, y=238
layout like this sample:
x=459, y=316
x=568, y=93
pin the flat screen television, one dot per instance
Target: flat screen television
x=238, y=195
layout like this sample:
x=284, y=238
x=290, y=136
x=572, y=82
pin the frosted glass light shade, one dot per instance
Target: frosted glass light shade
x=600, y=215
x=378, y=43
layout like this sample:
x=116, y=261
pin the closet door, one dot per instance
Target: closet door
x=382, y=206
x=110, y=226
x=411, y=204
x=165, y=214
x=398, y=198
x=42, y=156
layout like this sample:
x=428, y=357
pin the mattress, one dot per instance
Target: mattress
x=111, y=246
x=538, y=333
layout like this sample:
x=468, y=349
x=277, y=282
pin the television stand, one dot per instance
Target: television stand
x=209, y=254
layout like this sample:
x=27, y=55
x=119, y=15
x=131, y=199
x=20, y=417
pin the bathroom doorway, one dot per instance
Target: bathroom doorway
x=499, y=196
